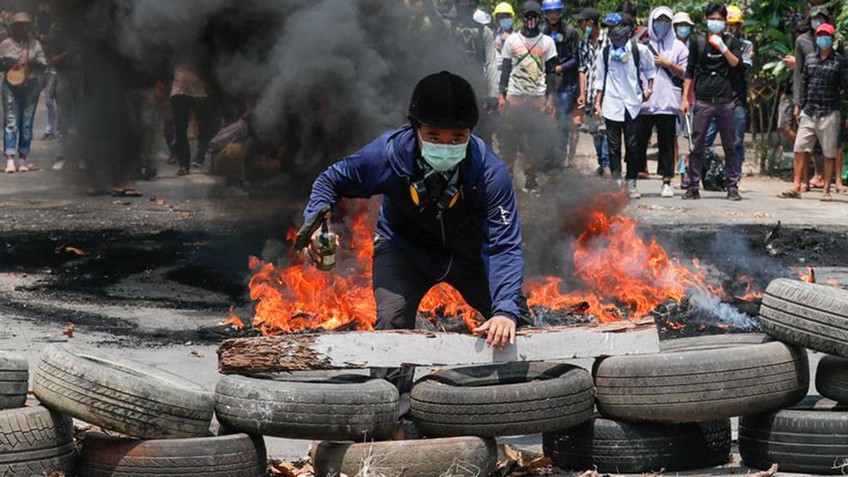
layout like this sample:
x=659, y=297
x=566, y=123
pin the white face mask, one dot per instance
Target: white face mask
x=442, y=157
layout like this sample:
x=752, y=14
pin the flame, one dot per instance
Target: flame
x=751, y=293
x=618, y=275
x=809, y=277
x=233, y=320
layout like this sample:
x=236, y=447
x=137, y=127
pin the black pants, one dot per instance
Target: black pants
x=666, y=125
x=399, y=287
x=203, y=109
x=629, y=128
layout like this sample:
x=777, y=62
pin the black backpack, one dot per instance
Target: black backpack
x=634, y=46
x=470, y=38
x=675, y=80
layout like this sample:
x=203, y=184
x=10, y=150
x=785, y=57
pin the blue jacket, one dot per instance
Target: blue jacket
x=482, y=227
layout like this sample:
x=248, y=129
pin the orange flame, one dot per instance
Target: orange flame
x=809, y=277
x=751, y=292
x=620, y=275
x=233, y=320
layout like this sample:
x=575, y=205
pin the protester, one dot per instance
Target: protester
x=805, y=45
x=431, y=233
x=662, y=109
x=620, y=93
x=823, y=81
x=23, y=61
x=46, y=35
x=191, y=94
x=595, y=40
x=712, y=60
x=527, y=86
x=786, y=123
x=505, y=17
x=735, y=19
x=567, y=41
x=682, y=29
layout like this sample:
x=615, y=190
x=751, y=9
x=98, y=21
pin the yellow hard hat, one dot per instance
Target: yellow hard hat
x=504, y=7
x=735, y=15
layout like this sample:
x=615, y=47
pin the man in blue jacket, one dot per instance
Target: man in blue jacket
x=448, y=212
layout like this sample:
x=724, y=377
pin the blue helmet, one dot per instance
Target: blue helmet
x=548, y=5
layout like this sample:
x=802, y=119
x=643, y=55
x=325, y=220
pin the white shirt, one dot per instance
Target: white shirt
x=528, y=56
x=623, y=92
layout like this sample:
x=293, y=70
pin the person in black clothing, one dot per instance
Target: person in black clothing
x=567, y=41
x=712, y=60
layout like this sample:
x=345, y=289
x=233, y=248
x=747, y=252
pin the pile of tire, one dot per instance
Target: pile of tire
x=163, y=421
x=672, y=410
x=810, y=437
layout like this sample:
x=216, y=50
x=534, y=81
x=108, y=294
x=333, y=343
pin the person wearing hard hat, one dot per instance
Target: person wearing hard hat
x=505, y=19
x=22, y=59
x=735, y=19
x=567, y=41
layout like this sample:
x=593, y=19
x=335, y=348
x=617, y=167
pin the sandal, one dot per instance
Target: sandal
x=125, y=193
x=183, y=171
x=826, y=198
x=790, y=194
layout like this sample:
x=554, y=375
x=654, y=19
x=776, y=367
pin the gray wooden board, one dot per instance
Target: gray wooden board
x=351, y=350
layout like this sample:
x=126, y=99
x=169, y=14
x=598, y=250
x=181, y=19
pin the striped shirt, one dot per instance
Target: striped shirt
x=588, y=54
x=823, y=81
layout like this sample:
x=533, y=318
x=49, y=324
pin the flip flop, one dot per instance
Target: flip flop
x=826, y=198
x=790, y=194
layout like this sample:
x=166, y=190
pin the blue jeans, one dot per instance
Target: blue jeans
x=599, y=138
x=739, y=119
x=564, y=106
x=19, y=113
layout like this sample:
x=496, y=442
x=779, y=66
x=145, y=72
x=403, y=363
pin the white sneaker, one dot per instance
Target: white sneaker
x=22, y=166
x=58, y=165
x=631, y=189
x=667, y=191
x=10, y=166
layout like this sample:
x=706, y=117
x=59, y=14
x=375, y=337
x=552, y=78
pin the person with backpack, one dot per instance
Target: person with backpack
x=527, y=87
x=661, y=110
x=713, y=59
x=620, y=93
x=588, y=20
x=567, y=40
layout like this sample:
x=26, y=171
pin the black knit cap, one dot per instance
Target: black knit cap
x=444, y=100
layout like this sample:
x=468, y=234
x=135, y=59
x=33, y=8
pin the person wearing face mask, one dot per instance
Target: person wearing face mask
x=505, y=18
x=528, y=83
x=662, y=108
x=683, y=31
x=712, y=60
x=590, y=47
x=448, y=212
x=567, y=40
x=683, y=26
x=735, y=19
x=805, y=45
x=823, y=81
x=620, y=93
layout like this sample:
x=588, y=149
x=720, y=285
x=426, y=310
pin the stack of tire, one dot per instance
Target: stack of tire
x=33, y=439
x=163, y=421
x=810, y=437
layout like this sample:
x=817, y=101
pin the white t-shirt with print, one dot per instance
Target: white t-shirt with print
x=528, y=56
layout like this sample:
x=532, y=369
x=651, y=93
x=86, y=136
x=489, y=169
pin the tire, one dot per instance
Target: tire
x=121, y=395
x=620, y=447
x=344, y=407
x=809, y=438
x=502, y=400
x=14, y=381
x=35, y=441
x=237, y=455
x=698, y=343
x=832, y=378
x=693, y=386
x=808, y=315
x=454, y=456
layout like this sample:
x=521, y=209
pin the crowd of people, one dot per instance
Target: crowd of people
x=625, y=78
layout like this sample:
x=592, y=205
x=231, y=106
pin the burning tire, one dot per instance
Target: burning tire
x=455, y=456
x=237, y=455
x=832, y=378
x=121, y=395
x=806, y=314
x=502, y=400
x=35, y=441
x=345, y=407
x=619, y=447
x=810, y=438
x=14, y=381
x=693, y=386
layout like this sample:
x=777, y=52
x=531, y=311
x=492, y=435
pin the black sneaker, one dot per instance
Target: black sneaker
x=691, y=194
x=734, y=195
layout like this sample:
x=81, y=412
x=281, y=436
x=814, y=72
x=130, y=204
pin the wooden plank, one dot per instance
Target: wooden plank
x=357, y=350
